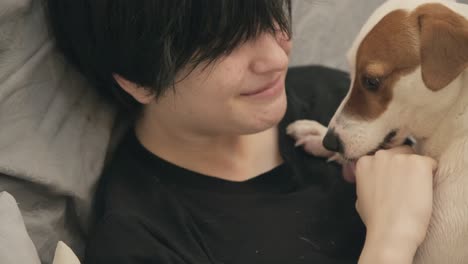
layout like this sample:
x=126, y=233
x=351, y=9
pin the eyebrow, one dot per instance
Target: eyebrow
x=376, y=69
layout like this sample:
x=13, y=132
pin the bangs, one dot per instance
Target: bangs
x=219, y=27
x=148, y=42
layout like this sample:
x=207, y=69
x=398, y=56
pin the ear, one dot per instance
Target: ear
x=139, y=93
x=444, y=45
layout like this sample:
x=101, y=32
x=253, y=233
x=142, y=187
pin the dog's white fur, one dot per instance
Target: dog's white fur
x=439, y=123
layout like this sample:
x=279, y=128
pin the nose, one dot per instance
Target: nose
x=332, y=142
x=271, y=54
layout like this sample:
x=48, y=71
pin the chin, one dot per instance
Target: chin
x=265, y=122
x=255, y=117
x=273, y=115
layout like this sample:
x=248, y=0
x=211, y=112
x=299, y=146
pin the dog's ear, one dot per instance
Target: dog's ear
x=443, y=45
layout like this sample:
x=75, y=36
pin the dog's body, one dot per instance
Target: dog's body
x=410, y=78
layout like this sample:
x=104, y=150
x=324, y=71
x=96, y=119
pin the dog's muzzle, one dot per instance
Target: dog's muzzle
x=332, y=142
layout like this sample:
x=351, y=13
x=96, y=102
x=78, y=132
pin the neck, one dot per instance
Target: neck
x=230, y=157
x=445, y=127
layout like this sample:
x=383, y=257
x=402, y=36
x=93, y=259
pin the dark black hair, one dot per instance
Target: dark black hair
x=149, y=41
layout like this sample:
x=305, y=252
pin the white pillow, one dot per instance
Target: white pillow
x=64, y=255
x=15, y=244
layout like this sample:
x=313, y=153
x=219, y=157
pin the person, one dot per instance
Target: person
x=207, y=174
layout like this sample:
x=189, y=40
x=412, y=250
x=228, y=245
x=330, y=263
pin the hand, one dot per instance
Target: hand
x=394, y=189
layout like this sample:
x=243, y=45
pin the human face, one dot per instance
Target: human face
x=240, y=93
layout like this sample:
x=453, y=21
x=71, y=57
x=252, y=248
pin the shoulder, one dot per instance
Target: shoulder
x=158, y=237
x=314, y=93
x=128, y=185
x=116, y=238
x=123, y=238
x=304, y=79
x=317, y=89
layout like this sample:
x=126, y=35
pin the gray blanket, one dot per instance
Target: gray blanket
x=15, y=245
x=55, y=131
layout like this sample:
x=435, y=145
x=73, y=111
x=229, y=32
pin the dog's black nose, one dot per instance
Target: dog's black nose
x=332, y=142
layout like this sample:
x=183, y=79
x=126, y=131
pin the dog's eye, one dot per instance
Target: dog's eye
x=371, y=83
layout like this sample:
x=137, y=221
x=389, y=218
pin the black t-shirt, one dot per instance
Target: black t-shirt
x=152, y=211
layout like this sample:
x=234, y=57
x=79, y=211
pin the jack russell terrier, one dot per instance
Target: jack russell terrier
x=409, y=78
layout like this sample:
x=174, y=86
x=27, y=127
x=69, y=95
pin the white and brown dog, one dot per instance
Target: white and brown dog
x=410, y=78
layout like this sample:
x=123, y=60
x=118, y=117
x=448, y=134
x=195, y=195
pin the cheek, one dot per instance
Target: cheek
x=228, y=80
x=411, y=93
x=211, y=100
x=368, y=105
x=286, y=45
x=216, y=87
x=359, y=105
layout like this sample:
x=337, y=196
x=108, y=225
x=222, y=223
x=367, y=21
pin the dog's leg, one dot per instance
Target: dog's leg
x=309, y=134
x=447, y=237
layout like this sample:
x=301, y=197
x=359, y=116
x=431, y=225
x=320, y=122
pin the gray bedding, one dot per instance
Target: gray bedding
x=55, y=131
x=53, y=137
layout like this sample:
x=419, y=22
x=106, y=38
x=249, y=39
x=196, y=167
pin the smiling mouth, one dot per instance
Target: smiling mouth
x=267, y=87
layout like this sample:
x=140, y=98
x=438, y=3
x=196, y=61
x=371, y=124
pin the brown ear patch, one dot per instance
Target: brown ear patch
x=444, y=44
x=432, y=36
x=387, y=52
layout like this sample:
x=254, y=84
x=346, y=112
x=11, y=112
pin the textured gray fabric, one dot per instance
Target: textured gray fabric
x=13, y=235
x=45, y=216
x=54, y=131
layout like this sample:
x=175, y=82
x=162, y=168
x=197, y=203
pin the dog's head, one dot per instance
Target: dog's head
x=405, y=67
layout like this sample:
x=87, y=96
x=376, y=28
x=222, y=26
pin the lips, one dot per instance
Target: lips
x=274, y=84
x=349, y=171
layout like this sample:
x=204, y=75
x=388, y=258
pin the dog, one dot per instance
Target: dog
x=409, y=78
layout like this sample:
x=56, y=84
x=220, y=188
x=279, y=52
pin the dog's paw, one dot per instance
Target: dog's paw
x=302, y=128
x=309, y=134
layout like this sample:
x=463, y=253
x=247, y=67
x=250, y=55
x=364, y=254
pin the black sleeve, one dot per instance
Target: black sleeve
x=122, y=239
x=318, y=89
x=315, y=92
